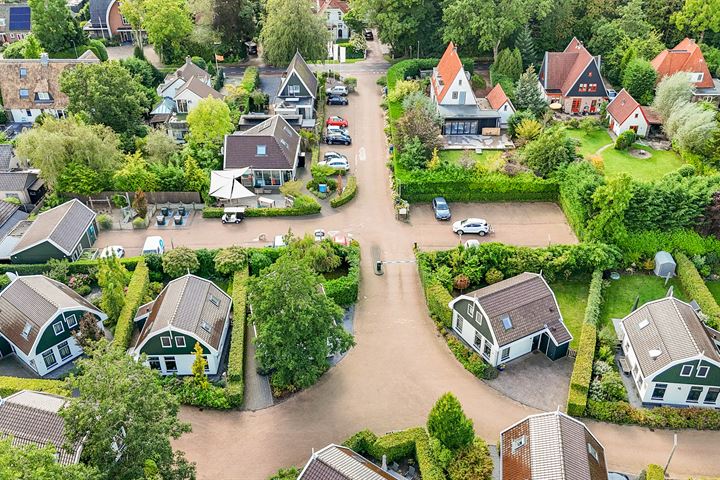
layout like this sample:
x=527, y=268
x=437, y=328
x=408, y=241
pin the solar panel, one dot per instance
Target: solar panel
x=20, y=18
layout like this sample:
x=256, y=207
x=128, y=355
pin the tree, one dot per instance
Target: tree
x=508, y=63
x=419, y=122
x=527, y=93
x=448, y=424
x=208, y=124
x=610, y=201
x=691, y=127
x=54, y=26
x=32, y=461
x=167, y=23
x=107, y=94
x=180, y=261
x=306, y=34
x=639, y=80
x=143, y=71
x=79, y=178
x=526, y=45
x=491, y=21
x=516, y=119
x=158, y=147
x=414, y=155
x=134, y=12
x=528, y=129
x=112, y=278
x=698, y=16
x=672, y=91
x=134, y=175
x=235, y=21
x=320, y=255
x=52, y=146
x=28, y=47
x=88, y=331
x=196, y=179
x=199, y=367
x=551, y=150
x=125, y=421
x=633, y=20
x=710, y=222
x=139, y=204
x=230, y=260
x=298, y=326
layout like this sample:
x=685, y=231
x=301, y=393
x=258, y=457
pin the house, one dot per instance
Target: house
x=8, y=159
x=624, y=113
x=500, y=103
x=553, y=446
x=181, y=92
x=10, y=215
x=511, y=318
x=572, y=79
x=452, y=94
x=106, y=21
x=61, y=232
x=25, y=185
x=333, y=10
x=670, y=355
x=687, y=57
x=37, y=318
x=31, y=418
x=30, y=87
x=14, y=21
x=297, y=92
x=271, y=150
x=187, y=311
x=336, y=462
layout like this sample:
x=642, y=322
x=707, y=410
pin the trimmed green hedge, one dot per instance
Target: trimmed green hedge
x=694, y=286
x=134, y=297
x=304, y=205
x=623, y=413
x=347, y=194
x=654, y=472
x=426, y=460
x=582, y=372
x=642, y=246
x=10, y=385
x=344, y=290
x=79, y=266
x=397, y=445
x=594, y=301
x=438, y=298
x=472, y=362
x=236, y=357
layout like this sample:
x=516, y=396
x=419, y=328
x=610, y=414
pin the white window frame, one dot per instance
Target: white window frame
x=658, y=385
x=157, y=359
x=65, y=343
x=593, y=452
x=689, y=374
x=294, y=89
x=174, y=359
x=26, y=331
x=518, y=442
x=459, y=324
x=471, y=309
x=178, y=342
x=74, y=322
x=61, y=325
x=48, y=353
x=27, y=93
x=702, y=368
x=163, y=340
x=505, y=354
x=455, y=95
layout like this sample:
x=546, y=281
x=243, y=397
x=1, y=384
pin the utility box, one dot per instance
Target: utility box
x=664, y=264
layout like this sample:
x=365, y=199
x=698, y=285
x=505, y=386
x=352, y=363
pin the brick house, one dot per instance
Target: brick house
x=106, y=21
x=687, y=57
x=334, y=10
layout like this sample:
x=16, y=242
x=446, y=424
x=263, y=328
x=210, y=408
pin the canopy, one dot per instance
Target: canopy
x=225, y=184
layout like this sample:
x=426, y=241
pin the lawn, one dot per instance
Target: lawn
x=620, y=295
x=617, y=161
x=490, y=159
x=572, y=298
x=714, y=287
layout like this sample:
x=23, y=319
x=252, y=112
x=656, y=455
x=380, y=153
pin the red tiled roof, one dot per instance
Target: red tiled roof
x=685, y=57
x=341, y=5
x=447, y=70
x=564, y=68
x=651, y=115
x=622, y=106
x=496, y=98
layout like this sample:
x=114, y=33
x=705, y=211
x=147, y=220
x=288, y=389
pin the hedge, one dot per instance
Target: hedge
x=236, y=357
x=438, y=298
x=594, y=301
x=582, y=371
x=654, y=472
x=396, y=445
x=642, y=246
x=429, y=470
x=78, y=266
x=623, y=413
x=249, y=82
x=134, y=296
x=303, y=206
x=695, y=288
x=472, y=362
x=347, y=194
x=10, y=385
x=344, y=290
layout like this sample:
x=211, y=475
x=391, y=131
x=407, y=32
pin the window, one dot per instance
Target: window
x=505, y=354
x=261, y=150
x=582, y=87
x=470, y=309
x=712, y=395
x=636, y=115
x=590, y=74
x=643, y=324
x=58, y=328
x=593, y=452
x=458, y=323
x=24, y=93
x=460, y=81
x=207, y=364
x=694, y=394
x=170, y=364
x=487, y=350
x=454, y=95
x=205, y=326
x=43, y=96
x=592, y=87
x=71, y=321
x=49, y=358
x=64, y=350
x=702, y=371
x=181, y=105
x=506, y=322
x=478, y=317
x=26, y=331
x=180, y=342
x=504, y=108
x=686, y=371
x=166, y=342
x=659, y=391
x=477, y=340
x=23, y=71
x=518, y=442
x=294, y=89
x=154, y=363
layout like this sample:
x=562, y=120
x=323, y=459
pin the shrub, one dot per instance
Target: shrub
x=180, y=261
x=469, y=359
x=659, y=417
x=447, y=422
x=344, y=290
x=461, y=282
x=472, y=463
x=105, y=221
x=396, y=445
x=594, y=301
x=361, y=441
x=259, y=261
x=191, y=393
x=625, y=140
x=291, y=473
x=654, y=472
x=579, y=180
x=347, y=194
x=582, y=371
x=134, y=297
x=230, y=260
x=694, y=286
x=10, y=385
x=493, y=275
x=235, y=369
x=139, y=223
x=438, y=299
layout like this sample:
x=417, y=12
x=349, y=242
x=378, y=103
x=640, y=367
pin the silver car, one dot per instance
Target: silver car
x=471, y=225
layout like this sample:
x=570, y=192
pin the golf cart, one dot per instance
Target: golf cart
x=233, y=214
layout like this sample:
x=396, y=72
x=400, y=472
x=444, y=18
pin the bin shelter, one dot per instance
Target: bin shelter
x=664, y=264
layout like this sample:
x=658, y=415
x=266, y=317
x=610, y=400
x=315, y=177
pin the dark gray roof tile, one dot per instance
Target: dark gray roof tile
x=281, y=146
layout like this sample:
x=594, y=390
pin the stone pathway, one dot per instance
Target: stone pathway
x=258, y=394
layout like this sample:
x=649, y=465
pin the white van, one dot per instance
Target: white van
x=154, y=245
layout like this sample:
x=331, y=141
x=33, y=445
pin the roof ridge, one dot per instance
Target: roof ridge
x=682, y=318
x=57, y=224
x=180, y=298
x=31, y=287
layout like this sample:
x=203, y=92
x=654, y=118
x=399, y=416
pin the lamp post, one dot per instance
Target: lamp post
x=74, y=47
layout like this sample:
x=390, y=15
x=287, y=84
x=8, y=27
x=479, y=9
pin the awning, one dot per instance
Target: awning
x=225, y=184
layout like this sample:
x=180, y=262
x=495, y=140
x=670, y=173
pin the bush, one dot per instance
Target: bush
x=695, y=288
x=10, y=385
x=448, y=423
x=472, y=362
x=79, y=266
x=259, y=261
x=230, y=260
x=625, y=140
x=105, y=221
x=472, y=463
x=190, y=393
x=347, y=194
x=180, y=261
x=582, y=371
x=477, y=81
x=304, y=205
x=344, y=290
x=654, y=472
x=697, y=418
x=361, y=442
x=396, y=445
x=139, y=223
x=438, y=299
x=493, y=275
x=134, y=297
x=594, y=301
x=235, y=369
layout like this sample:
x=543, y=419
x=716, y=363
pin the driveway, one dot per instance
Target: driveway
x=400, y=365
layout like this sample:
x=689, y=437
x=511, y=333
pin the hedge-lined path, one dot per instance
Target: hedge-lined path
x=258, y=394
x=400, y=365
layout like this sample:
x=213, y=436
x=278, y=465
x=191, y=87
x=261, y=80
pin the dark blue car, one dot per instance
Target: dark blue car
x=441, y=208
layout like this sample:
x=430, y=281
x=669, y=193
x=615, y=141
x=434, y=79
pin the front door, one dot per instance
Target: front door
x=575, y=105
x=593, y=106
x=544, y=340
x=535, y=342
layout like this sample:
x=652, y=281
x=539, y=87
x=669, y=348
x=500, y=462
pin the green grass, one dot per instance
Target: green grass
x=489, y=159
x=617, y=161
x=619, y=296
x=714, y=287
x=572, y=298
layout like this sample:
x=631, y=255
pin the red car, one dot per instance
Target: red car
x=338, y=121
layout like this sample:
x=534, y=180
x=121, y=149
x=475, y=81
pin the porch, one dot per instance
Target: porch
x=477, y=142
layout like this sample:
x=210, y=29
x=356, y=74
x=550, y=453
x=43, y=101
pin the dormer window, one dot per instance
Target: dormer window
x=261, y=150
x=24, y=93
x=518, y=442
x=294, y=89
x=593, y=452
x=205, y=326
x=42, y=96
x=26, y=331
x=23, y=72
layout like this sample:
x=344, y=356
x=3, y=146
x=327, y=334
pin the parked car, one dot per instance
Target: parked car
x=341, y=90
x=337, y=100
x=278, y=241
x=336, y=163
x=441, y=208
x=112, y=250
x=336, y=129
x=471, y=225
x=368, y=34
x=472, y=243
x=327, y=156
x=233, y=215
x=337, y=138
x=336, y=120
x=154, y=245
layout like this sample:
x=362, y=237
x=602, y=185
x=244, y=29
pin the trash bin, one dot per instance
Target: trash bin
x=322, y=188
x=160, y=219
x=181, y=210
x=165, y=211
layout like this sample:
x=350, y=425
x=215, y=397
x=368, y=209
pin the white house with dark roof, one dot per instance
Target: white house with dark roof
x=670, y=354
x=31, y=418
x=37, y=318
x=511, y=318
x=333, y=11
x=336, y=462
x=188, y=310
x=551, y=446
x=297, y=92
x=500, y=102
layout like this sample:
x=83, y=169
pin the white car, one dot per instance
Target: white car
x=471, y=225
x=154, y=245
x=336, y=129
x=333, y=155
x=111, y=250
x=472, y=243
x=279, y=241
x=337, y=90
x=336, y=163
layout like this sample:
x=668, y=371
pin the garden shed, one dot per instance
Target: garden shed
x=664, y=264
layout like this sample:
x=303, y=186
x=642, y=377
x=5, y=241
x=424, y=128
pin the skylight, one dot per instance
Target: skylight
x=205, y=326
x=26, y=331
x=214, y=300
x=261, y=150
x=643, y=324
x=507, y=323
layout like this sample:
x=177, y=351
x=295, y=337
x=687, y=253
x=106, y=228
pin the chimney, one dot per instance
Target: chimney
x=188, y=60
x=44, y=59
